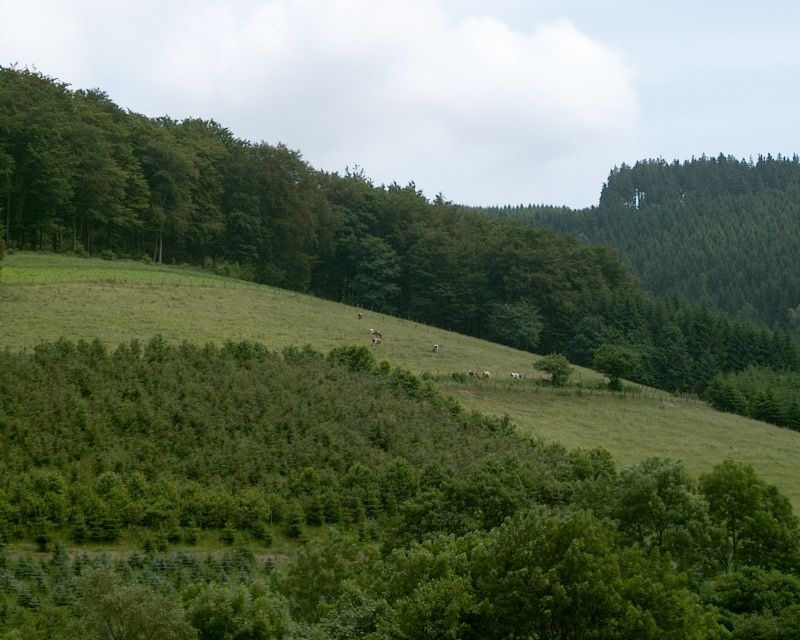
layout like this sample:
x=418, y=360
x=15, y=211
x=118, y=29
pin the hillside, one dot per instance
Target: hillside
x=717, y=230
x=44, y=297
x=79, y=174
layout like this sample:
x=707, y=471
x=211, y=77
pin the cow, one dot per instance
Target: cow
x=435, y=348
x=517, y=376
x=472, y=374
x=485, y=375
x=360, y=316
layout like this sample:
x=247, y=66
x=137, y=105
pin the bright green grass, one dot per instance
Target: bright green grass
x=635, y=426
x=44, y=297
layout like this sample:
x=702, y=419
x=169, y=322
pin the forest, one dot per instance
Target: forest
x=716, y=230
x=412, y=517
x=80, y=175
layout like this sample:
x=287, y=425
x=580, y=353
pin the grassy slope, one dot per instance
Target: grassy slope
x=45, y=297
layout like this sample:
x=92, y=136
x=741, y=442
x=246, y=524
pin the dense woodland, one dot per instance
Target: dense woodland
x=79, y=174
x=759, y=393
x=719, y=230
x=413, y=518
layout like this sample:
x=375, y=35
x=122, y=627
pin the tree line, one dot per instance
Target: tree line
x=713, y=229
x=79, y=174
x=758, y=393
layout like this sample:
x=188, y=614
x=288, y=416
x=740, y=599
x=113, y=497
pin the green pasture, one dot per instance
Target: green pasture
x=638, y=425
x=44, y=297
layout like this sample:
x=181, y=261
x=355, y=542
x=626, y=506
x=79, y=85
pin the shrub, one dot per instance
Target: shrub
x=615, y=361
x=557, y=366
x=228, y=535
x=353, y=358
x=294, y=521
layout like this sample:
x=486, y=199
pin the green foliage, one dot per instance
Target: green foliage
x=616, y=362
x=656, y=505
x=757, y=521
x=662, y=217
x=757, y=603
x=557, y=366
x=517, y=324
x=532, y=574
x=220, y=438
x=760, y=393
x=354, y=358
x=237, y=612
x=132, y=611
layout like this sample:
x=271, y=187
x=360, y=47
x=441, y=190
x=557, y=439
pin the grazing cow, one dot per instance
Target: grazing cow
x=376, y=341
x=485, y=375
x=360, y=315
x=435, y=348
x=375, y=333
x=472, y=374
x=517, y=376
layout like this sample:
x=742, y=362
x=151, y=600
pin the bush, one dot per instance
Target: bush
x=353, y=358
x=190, y=534
x=615, y=361
x=294, y=521
x=228, y=535
x=557, y=366
x=108, y=254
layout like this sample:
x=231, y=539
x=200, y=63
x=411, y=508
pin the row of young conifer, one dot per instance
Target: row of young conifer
x=413, y=517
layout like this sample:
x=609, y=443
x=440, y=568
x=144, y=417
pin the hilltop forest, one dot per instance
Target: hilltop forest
x=79, y=174
x=716, y=230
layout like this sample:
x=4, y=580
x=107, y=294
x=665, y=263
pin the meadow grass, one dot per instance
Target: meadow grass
x=117, y=301
x=45, y=297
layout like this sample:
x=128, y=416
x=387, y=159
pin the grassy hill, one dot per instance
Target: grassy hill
x=44, y=297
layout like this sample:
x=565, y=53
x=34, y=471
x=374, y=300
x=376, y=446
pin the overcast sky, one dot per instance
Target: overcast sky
x=496, y=102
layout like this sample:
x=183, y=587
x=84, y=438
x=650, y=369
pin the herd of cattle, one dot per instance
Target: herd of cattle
x=377, y=340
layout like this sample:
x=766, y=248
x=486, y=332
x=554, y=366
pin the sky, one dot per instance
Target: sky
x=487, y=103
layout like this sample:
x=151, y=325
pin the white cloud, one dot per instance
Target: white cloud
x=469, y=105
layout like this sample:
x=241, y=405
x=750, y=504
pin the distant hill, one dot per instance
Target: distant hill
x=716, y=230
